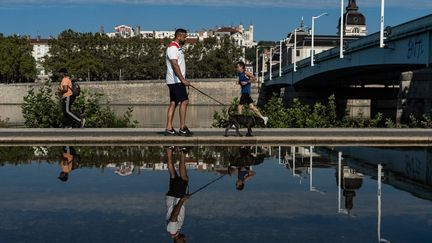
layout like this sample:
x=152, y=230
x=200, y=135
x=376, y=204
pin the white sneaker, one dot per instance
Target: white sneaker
x=265, y=120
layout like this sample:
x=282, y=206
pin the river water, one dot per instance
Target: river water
x=292, y=194
x=148, y=116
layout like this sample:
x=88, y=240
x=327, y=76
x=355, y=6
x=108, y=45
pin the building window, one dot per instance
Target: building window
x=298, y=53
x=356, y=30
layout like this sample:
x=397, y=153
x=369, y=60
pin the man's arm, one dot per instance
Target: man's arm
x=250, y=175
x=171, y=168
x=63, y=88
x=251, y=76
x=176, y=211
x=177, y=71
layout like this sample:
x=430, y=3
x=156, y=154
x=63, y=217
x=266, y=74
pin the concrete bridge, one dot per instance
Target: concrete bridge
x=408, y=47
x=366, y=71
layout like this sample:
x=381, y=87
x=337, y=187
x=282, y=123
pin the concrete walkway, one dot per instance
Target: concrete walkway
x=214, y=137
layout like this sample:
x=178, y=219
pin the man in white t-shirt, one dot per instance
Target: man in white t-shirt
x=177, y=83
x=176, y=196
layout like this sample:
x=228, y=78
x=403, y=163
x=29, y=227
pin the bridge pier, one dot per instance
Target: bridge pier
x=350, y=101
x=415, y=95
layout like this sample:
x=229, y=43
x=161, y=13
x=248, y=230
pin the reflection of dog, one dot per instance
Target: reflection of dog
x=246, y=121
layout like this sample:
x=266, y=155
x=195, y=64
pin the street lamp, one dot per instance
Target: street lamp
x=280, y=58
x=313, y=37
x=256, y=62
x=382, y=45
x=271, y=62
x=341, y=29
x=295, y=49
x=262, y=69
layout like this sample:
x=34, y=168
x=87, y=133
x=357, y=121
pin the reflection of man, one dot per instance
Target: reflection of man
x=67, y=164
x=241, y=166
x=176, y=196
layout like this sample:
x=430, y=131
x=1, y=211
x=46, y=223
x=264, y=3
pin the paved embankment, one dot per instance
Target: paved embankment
x=214, y=137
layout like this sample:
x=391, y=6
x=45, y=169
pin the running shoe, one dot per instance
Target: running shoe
x=184, y=149
x=170, y=132
x=265, y=120
x=185, y=132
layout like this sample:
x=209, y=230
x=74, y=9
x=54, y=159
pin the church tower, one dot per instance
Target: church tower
x=354, y=21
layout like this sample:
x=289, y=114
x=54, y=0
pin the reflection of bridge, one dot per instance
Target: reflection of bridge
x=365, y=65
x=408, y=170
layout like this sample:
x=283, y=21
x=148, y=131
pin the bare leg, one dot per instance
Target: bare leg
x=170, y=115
x=183, y=111
x=255, y=110
x=240, y=109
x=170, y=163
x=182, y=167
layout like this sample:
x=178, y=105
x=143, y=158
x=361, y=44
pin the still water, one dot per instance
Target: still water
x=289, y=194
x=148, y=116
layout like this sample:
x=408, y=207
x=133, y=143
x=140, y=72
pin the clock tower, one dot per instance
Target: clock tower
x=354, y=21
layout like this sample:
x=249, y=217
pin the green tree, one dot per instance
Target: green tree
x=103, y=58
x=16, y=61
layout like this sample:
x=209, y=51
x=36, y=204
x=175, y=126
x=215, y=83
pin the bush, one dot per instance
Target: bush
x=299, y=115
x=277, y=113
x=4, y=123
x=43, y=110
x=221, y=118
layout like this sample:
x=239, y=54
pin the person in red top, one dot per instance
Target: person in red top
x=177, y=83
x=68, y=99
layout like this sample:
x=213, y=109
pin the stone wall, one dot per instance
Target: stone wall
x=415, y=94
x=135, y=92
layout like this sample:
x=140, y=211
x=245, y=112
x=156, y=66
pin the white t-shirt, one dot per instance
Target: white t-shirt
x=173, y=228
x=174, y=51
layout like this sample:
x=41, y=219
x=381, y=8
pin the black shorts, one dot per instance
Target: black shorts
x=177, y=187
x=246, y=99
x=178, y=93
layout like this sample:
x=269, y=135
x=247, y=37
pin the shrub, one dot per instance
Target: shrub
x=277, y=113
x=4, y=123
x=43, y=110
x=221, y=117
x=299, y=115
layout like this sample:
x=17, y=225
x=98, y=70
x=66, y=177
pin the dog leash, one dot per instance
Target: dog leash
x=206, y=185
x=205, y=94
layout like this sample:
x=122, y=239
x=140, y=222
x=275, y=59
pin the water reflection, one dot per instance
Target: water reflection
x=176, y=196
x=241, y=165
x=358, y=194
x=70, y=161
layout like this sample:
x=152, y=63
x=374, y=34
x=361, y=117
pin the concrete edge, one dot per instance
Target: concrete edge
x=218, y=141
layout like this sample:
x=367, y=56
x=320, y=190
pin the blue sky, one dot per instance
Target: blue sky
x=273, y=19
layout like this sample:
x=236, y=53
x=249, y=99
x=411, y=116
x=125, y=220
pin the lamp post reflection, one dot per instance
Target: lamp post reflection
x=379, y=179
x=340, y=210
x=293, y=151
x=311, y=187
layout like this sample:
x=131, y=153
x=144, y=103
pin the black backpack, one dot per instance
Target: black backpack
x=76, y=89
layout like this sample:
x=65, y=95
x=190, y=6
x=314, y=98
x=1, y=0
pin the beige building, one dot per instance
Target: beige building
x=40, y=50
